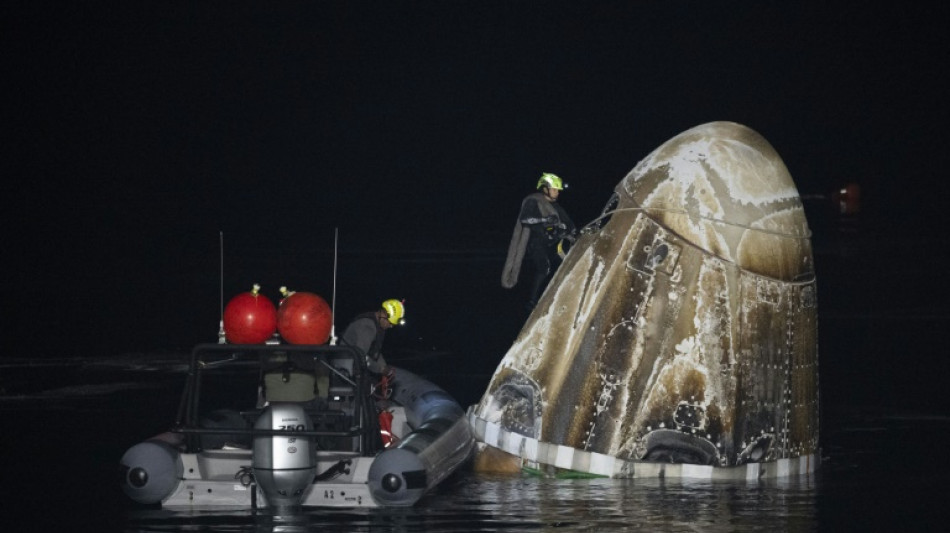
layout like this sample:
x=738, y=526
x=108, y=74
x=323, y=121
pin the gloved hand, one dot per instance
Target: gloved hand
x=382, y=390
x=552, y=219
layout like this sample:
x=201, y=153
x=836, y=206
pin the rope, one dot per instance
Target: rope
x=707, y=218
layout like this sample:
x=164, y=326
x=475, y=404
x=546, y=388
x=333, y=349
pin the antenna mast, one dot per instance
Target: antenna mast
x=336, y=238
x=221, y=335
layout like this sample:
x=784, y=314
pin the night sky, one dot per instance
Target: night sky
x=135, y=132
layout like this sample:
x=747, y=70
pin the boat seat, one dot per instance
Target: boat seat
x=224, y=419
x=293, y=380
x=290, y=386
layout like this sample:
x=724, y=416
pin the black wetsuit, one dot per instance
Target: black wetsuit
x=365, y=334
x=541, y=254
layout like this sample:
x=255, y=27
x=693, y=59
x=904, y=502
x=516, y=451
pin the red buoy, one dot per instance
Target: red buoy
x=249, y=318
x=848, y=199
x=304, y=318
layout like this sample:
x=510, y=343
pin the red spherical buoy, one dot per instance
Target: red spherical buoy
x=304, y=318
x=249, y=318
x=848, y=199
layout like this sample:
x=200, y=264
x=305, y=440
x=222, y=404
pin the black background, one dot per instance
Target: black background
x=137, y=133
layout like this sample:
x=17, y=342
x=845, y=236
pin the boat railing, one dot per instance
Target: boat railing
x=352, y=432
x=341, y=411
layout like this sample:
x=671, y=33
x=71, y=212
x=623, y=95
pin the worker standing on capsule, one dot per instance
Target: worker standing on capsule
x=679, y=337
x=541, y=227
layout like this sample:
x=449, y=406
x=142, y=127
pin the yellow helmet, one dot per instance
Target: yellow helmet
x=396, y=311
x=551, y=181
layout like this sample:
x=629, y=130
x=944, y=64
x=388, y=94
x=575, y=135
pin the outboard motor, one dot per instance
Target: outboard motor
x=284, y=467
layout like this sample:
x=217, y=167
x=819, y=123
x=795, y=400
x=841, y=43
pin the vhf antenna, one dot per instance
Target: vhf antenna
x=221, y=335
x=336, y=238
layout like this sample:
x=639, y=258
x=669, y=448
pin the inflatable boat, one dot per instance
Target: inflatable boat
x=275, y=426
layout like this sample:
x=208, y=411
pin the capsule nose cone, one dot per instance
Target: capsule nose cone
x=724, y=188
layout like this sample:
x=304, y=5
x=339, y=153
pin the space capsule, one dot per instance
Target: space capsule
x=679, y=336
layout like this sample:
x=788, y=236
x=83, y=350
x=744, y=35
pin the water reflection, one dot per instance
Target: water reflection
x=475, y=502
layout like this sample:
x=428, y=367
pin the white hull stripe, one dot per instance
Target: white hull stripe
x=534, y=451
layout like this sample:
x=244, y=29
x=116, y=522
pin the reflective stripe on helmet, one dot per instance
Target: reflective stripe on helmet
x=395, y=310
x=551, y=181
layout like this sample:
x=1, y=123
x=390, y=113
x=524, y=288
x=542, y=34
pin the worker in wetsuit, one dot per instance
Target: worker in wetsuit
x=542, y=229
x=366, y=333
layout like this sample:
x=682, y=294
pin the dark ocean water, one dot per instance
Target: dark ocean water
x=72, y=408
x=882, y=469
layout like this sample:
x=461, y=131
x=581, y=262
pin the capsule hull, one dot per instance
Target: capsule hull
x=681, y=328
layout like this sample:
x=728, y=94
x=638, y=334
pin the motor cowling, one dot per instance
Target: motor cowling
x=150, y=471
x=284, y=467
